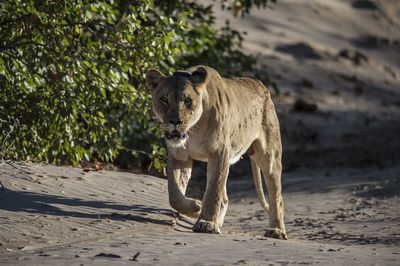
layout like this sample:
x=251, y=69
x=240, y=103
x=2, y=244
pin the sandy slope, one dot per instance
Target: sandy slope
x=341, y=56
x=60, y=215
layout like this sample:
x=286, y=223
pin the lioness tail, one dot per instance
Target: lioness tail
x=258, y=184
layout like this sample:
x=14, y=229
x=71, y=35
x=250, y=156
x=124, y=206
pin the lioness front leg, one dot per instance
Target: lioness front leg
x=178, y=177
x=215, y=200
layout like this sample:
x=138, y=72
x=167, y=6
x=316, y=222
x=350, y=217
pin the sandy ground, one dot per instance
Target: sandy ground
x=336, y=66
x=70, y=216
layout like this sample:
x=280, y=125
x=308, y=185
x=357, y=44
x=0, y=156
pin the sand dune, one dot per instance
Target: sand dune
x=344, y=58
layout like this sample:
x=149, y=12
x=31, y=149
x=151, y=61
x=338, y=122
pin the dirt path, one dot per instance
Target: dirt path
x=60, y=215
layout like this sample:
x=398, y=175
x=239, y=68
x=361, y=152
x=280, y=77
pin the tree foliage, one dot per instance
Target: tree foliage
x=71, y=72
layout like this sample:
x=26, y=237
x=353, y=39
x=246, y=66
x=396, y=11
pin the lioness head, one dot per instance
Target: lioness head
x=177, y=102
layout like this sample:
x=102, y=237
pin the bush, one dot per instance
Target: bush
x=71, y=73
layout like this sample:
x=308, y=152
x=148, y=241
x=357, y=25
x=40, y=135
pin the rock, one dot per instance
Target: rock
x=307, y=83
x=303, y=106
x=108, y=255
x=364, y=4
x=356, y=57
x=299, y=50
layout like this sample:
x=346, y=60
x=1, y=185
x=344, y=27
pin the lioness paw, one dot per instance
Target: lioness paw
x=275, y=233
x=202, y=226
x=193, y=209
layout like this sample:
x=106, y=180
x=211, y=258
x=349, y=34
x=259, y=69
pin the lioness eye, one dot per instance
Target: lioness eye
x=188, y=101
x=164, y=100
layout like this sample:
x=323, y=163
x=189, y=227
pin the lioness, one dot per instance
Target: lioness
x=213, y=119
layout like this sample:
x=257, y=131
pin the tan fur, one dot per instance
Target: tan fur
x=226, y=118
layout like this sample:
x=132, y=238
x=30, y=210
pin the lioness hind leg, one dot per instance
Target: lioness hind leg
x=270, y=164
x=272, y=177
x=179, y=173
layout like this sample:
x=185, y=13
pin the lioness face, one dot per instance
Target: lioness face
x=177, y=107
x=177, y=103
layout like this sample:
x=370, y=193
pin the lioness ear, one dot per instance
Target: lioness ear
x=153, y=78
x=199, y=76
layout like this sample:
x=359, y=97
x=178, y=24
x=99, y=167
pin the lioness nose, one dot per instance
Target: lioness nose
x=175, y=122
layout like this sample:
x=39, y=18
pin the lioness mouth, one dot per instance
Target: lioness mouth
x=175, y=134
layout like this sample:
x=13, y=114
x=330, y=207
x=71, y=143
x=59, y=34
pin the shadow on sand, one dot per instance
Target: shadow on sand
x=30, y=202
